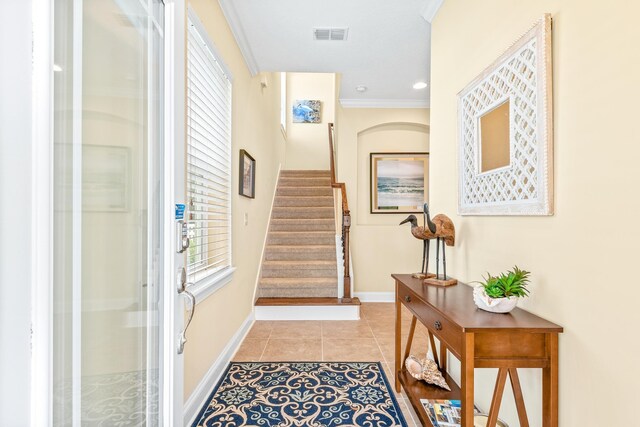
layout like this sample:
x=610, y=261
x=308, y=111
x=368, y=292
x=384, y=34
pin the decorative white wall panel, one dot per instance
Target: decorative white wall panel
x=522, y=75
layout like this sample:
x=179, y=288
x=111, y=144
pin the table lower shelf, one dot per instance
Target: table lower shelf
x=416, y=390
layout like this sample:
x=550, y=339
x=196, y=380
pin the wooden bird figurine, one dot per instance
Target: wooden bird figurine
x=419, y=233
x=440, y=228
x=445, y=233
x=424, y=234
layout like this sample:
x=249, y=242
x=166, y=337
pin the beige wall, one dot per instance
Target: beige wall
x=256, y=128
x=379, y=245
x=307, y=143
x=583, y=257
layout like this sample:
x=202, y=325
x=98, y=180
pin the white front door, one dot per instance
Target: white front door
x=116, y=313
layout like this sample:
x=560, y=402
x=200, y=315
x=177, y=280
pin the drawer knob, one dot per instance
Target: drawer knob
x=438, y=325
x=407, y=298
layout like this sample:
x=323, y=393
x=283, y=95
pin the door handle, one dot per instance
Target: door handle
x=182, y=290
x=192, y=303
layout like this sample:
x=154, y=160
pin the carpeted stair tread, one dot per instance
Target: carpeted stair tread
x=320, y=267
x=299, y=268
x=305, y=182
x=305, y=191
x=295, y=292
x=279, y=282
x=304, y=201
x=302, y=263
x=300, y=221
x=305, y=172
x=312, y=247
x=294, y=224
x=299, y=282
x=300, y=252
x=303, y=212
x=292, y=238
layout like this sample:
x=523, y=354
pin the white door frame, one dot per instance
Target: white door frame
x=42, y=218
x=41, y=227
x=175, y=135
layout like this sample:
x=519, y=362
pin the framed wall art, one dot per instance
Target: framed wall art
x=306, y=111
x=247, y=175
x=506, y=132
x=399, y=182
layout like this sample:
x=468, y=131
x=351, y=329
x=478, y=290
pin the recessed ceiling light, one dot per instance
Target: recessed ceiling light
x=420, y=85
x=361, y=89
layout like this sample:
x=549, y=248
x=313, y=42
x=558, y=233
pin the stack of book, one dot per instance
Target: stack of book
x=444, y=413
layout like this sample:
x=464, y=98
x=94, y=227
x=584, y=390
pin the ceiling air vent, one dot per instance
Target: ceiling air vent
x=330, y=34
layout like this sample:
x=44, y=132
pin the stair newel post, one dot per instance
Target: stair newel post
x=346, y=224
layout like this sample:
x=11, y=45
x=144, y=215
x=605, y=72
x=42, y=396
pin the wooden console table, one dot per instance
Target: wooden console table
x=479, y=339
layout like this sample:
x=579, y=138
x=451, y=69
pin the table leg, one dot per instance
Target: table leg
x=497, y=397
x=407, y=349
x=443, y=357
x=519, y=398
x=550, y=384
x=432, y=343
x=398, y=338
x=467, y=379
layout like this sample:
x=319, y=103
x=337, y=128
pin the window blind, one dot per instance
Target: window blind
x=208, y=159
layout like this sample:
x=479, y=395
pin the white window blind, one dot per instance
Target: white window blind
x=208, y=158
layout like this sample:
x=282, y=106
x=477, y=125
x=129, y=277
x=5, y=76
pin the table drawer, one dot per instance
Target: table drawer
x=440, y=326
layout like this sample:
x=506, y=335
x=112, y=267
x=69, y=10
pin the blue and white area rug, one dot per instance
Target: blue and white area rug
x=314, y=394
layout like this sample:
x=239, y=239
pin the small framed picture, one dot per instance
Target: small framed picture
x=306, y=111
x=247, y=175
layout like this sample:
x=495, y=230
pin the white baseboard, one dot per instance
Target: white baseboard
x=201, y=393
x=306, y=312
x=376, y=296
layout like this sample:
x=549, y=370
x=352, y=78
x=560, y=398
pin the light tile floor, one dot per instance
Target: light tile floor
x=370, y=339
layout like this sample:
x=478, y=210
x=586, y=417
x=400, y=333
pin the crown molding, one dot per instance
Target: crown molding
x=231, y=15
x=431, y=10
x=384, y=103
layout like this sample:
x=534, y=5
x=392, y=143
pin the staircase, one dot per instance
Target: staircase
x=300, y=256
x=299, y=275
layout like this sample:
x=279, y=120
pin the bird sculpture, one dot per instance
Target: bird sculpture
x=425, y=235
x=440, y=228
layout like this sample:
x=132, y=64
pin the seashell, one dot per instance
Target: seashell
x=426, y=370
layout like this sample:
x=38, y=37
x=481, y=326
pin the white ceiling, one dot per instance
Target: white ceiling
x=387, y=49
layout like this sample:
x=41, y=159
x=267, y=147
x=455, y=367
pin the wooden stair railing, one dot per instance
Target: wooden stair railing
x=346, y=216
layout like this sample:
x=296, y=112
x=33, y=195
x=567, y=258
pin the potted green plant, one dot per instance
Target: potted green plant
x=499, y=294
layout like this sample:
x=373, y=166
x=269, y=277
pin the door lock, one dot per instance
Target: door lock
x=182, y=235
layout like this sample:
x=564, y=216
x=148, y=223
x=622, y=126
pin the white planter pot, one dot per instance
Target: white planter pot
x=494, y=305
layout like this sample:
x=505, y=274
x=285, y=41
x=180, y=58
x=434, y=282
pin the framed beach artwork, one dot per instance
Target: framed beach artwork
x=247, y=175
x=306, y=111
x=399, y=182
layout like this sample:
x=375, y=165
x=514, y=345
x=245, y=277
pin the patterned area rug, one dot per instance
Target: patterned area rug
x=313, y=394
